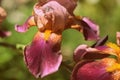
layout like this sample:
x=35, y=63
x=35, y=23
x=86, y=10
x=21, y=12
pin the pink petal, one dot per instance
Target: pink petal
x=85, y=52
x=79, y=52
x=43, y=57
x=91, y=70
x=25, y=26
x=90, y=29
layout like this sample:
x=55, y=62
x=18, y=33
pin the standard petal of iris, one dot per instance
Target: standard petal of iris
x=93, y=70
x=52, y=16
x=23, y=28
x=68, y=4
x=43, y=57
x=90, y=29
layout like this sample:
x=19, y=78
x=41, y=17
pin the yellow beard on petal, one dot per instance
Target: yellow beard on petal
x=47, y=34
x=115, y=47
x=114, y=67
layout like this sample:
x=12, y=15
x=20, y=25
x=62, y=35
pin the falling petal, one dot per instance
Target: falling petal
x=43, y=57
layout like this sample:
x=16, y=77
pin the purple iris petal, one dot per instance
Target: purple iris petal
x=42, y=57
x=91, y=70
x=102, y=48
x=79, y=52
x=90, y=29
x=24, y=27
x=85, y=52
x=92, y=25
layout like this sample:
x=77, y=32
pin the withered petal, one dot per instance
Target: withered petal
x=68, y=4
x=23, y=28
x=41, y=57
x=51, y=15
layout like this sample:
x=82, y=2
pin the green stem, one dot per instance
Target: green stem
x=68, y=67
x=4, y=44
x=8, y=45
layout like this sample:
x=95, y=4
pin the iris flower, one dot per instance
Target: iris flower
x=96, y=63
x=93, y=70
x=43, y=55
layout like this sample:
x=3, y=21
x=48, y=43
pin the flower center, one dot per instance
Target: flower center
x=47, y=34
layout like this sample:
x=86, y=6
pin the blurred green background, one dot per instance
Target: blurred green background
x=106, y=13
